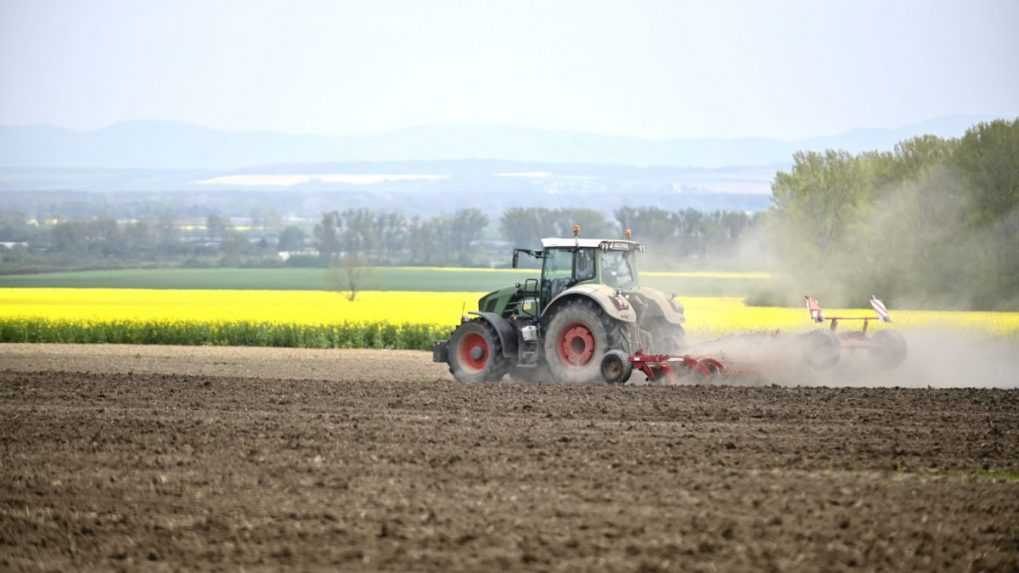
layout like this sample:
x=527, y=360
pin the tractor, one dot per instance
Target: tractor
x=579, y=322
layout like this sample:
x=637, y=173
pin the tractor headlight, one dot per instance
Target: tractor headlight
x=620, y=302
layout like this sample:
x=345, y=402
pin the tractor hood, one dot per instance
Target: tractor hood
x=497, y=300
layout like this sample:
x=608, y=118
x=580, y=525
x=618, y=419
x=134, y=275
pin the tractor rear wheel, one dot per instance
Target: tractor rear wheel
x=666, y=337
x=475, y=354
x=576, y=341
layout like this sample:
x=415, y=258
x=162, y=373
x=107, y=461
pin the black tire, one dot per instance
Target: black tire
x=576, y=340
x=888, y=349
x=475, y=353
x=616, y=367
x=666, y=338
x=821, y=349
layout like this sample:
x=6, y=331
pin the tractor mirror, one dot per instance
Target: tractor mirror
x=516, y=258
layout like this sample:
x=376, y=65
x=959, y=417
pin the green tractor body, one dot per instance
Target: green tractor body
x=577, y=322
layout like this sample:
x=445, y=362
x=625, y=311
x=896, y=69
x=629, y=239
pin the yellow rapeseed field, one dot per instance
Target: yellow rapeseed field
x=705, y=315
x=277, y=306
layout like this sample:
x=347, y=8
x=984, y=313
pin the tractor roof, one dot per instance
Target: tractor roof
x=614, y=244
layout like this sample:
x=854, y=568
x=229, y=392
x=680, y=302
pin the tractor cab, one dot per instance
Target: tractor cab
x=571, y=262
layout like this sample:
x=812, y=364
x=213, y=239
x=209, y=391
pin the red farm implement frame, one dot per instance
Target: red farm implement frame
x=819, y=348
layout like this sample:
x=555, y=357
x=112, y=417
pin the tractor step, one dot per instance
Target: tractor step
x=529, y=355
x=440, y=351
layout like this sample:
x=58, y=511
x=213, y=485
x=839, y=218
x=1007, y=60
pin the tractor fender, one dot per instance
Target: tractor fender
x=507, y=334
x=614, y=305
x=663, y=304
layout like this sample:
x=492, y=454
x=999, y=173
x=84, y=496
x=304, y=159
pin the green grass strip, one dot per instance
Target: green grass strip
x=999, y=474
x=346, y=335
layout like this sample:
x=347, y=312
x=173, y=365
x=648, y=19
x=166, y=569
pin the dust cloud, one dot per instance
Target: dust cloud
x=936, y=358
x=919, y=242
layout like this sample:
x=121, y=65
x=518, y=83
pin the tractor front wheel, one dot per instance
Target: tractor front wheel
x=475, y=354
x=576, y=341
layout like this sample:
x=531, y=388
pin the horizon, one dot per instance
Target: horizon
x=972, y=119
x=169, y=144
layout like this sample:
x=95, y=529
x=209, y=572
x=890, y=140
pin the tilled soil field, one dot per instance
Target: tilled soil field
x=137, y=468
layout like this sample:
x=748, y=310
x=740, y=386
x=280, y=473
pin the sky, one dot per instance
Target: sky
x=670, y=69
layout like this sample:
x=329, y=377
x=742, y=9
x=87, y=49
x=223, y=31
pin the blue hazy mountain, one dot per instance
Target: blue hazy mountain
x=174, y=145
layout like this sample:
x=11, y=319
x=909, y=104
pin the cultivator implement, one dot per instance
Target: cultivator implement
x=661, y=366
x=818, y=349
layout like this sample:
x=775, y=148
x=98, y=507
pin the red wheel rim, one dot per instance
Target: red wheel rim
x=576, y=345
x=474, y=351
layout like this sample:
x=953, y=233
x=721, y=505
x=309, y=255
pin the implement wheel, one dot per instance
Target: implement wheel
x=576, y=341
x=616, y=367
x=888, y=349
x=475, y=354
x=821, y=349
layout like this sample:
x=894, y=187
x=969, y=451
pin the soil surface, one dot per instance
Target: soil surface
x=236, y=361
x=184, y=459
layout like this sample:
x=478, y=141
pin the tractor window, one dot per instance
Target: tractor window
x=585, y=265
x=557, y=273
x=558, y=264
x=618, y=270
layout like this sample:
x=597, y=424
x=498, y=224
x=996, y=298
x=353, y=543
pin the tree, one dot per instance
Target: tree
x=327, y=237
x=347, y=275
x=524, y=227
x=815, y=203
x=96, y=237
x=651, y=225
x=988, y=157
x=166, y=229
x=592, y=223
x=234, y=246
x=68, y=237
x=421, y=241
x=13, y=226
x=291, y=239
x=465, y=228
x=216, y=226
x=140, y=236
x=909, y=222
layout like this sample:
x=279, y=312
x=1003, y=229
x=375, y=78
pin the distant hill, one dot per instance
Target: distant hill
x=421, y=187
x=173, y=145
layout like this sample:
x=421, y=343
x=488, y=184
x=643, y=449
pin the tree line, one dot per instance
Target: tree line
x=380, y=237
x=104, y=242
x=466, y=237
x=935, y=222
